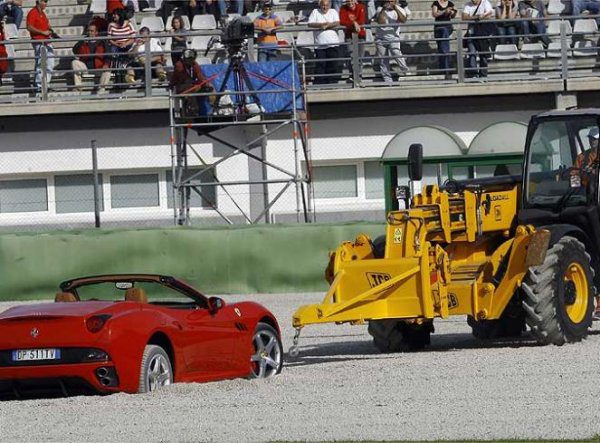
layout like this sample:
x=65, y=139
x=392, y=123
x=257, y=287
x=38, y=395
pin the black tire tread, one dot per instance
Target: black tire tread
x=539, y=299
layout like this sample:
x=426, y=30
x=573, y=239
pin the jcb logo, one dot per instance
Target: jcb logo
x=452, y=301
x=376, y=278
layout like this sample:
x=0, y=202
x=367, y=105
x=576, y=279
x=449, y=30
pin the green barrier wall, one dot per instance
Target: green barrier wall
x=221, y=260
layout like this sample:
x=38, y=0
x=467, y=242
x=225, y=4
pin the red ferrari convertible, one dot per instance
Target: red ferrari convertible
x=132, y=333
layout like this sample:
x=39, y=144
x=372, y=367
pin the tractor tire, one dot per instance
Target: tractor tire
x=558, y=296
x=379, y=246
x=511, y=323
x=398, y=336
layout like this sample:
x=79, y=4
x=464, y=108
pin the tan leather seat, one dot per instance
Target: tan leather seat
x=137, y=295
x=63, y=297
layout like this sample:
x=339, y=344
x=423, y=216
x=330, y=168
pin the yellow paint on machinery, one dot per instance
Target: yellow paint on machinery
x=449, y=254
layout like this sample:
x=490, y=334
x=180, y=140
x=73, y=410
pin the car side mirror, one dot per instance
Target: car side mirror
x=214, y=304
x=415, y=162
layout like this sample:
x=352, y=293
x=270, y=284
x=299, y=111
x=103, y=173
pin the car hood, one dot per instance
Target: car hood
x=49, y=310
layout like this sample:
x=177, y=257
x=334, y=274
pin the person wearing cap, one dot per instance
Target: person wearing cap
x=40, y=31
x=267, y=24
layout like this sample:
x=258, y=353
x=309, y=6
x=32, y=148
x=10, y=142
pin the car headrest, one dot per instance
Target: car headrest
x=136, y=294
x=62, y=297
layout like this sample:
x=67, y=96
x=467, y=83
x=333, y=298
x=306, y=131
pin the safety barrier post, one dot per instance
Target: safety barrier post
x=460, y=68
x=355, y=61
x=44, y=68
x=564, y=48
x=148, y=68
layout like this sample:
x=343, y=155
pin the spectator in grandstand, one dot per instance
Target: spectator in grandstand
x=237, y=4
x=40, y=31
x=157, y=57
x=478, y=48
x=534, y=30
x=267, y=24
x=90, y=55
x=188, y=79
x=326, y=20
x=12, y=8
x=443, y=11
x=592, y=6
x=178, y=39
x=101, y=24
x=188, y=8
x=353, y=17
x=3, y=54
x=122, y=39
x=387, y=37
x=507, y=30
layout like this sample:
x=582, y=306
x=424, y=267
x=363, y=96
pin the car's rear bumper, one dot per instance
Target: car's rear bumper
x=53, y=380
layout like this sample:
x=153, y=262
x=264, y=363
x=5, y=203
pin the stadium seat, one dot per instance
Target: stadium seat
x=553, y=29
x=155, y=24
x=305, y=38
x=285, y=16
x=203, y=60
x=200, y=42
x=184, y=19
x=11, y=31
x=585, y=26
x=98, y=7
x=286, y=37
x=506, y=52
x=585, y=48
x=532, y=50
x=554, y=50
x=252, y=15
x=204, y=21
x=555, y=7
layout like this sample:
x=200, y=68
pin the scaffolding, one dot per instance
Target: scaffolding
x=257, y=127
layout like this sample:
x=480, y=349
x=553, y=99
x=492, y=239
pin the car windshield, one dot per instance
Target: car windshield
x=563, y=166
x=115, y=291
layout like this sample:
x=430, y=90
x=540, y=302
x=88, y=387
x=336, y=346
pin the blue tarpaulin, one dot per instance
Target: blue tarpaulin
x=281, y=76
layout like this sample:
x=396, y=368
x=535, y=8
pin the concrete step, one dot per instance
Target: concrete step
x=28, y=4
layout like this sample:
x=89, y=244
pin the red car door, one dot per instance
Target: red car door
x=210, y=340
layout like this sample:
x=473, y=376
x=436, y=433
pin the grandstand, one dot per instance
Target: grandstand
x=347, y=141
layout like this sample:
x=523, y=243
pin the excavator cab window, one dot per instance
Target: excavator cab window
x=562, y=168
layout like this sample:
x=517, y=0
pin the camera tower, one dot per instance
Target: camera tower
x=208, y=169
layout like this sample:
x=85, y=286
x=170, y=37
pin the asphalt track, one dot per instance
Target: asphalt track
x=341, y=388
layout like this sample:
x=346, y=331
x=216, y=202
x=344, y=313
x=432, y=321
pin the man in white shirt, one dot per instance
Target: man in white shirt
x=477, y=11
x=387, y=40
x=157, y=56
x=326, y=20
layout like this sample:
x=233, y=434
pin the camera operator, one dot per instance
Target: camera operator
x=188, y=79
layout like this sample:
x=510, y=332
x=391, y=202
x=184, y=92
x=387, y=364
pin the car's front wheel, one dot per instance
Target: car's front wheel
x=267, y=358
x=156, y=369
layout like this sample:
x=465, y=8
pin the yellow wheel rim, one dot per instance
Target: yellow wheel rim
x=576, y=304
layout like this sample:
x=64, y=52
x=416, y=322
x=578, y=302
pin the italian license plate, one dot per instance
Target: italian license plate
x=35, y=354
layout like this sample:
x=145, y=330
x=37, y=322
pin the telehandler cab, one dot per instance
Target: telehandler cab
x=505, y=251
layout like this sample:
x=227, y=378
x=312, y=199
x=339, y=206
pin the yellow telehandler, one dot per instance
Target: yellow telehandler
x=505, y=251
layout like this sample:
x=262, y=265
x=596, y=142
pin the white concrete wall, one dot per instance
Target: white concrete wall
x=41, y=154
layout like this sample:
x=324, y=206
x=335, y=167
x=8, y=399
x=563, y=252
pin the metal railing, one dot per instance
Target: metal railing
x=357, y=63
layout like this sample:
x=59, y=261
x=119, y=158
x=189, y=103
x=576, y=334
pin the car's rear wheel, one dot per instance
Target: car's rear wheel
x=156, y=369
x=267, y=358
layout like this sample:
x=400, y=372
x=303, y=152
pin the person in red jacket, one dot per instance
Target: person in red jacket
x=40, y=31
x=188, y=79
x=353, y=18
x=3, y=55
x=90, y=55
